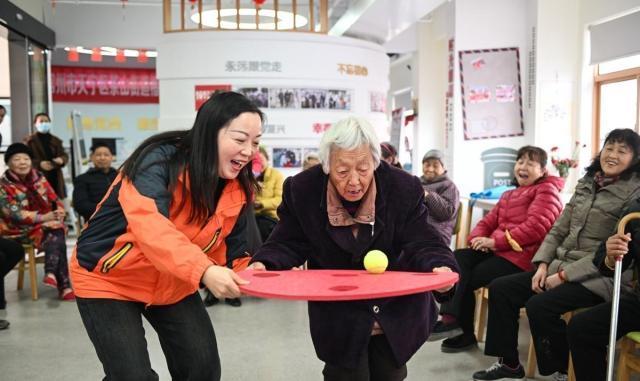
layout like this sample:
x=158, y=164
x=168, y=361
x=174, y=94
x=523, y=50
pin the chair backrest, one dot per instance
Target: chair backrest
x=456, y=228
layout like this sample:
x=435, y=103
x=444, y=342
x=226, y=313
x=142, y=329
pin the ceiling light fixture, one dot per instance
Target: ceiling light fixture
x=285, y=19
x=110, y=51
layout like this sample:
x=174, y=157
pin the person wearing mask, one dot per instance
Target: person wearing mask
x=48, y=154
x=31, y=213
x=90, y=187
x=441, y=195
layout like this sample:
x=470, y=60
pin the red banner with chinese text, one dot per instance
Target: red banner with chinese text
x=104, y=85
x=204, y=92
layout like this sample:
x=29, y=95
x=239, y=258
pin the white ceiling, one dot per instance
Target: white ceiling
x=391, y=23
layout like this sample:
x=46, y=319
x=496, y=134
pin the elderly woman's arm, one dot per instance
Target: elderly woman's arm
x=423, y=249
x=287, y=246
x=443, y=206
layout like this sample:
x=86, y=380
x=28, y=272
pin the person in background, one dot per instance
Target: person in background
x=11, y=252
x=441, y=195
x=310, y=160
x=389, y=154
x=269, y=197
x=3, y=112
x=90, y=187
x=31, y=213
x=565, y=278
x=502, y=243
x=48, y=154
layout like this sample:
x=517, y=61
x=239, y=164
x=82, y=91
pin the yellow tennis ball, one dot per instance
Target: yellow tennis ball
x=375, y=262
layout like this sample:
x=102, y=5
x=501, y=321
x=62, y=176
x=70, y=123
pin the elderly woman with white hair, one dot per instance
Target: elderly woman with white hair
x=330, y=216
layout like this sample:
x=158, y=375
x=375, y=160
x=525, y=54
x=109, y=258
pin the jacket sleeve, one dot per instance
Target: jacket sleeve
x=541, y=214
x=272, y=203
x=14, y=212
x=35, y=160
x=81, y=201
x=422, y=248
x=287, y=245
x=59, y=152
x=489, y=223
x=547, y=251
x=145, y=203
x=443, y=206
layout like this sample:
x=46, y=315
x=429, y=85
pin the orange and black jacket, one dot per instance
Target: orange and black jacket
x=139, y=246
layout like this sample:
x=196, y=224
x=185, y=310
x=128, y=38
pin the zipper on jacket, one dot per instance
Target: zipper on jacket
x=372, y=223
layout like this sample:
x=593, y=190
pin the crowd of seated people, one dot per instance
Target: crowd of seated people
x=529, y=251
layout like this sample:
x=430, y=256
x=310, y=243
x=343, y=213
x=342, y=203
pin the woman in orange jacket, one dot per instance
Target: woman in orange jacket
x=168, y=224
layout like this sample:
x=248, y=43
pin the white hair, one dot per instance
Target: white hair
x=348, y=134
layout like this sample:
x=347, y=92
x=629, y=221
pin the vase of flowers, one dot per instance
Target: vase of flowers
x=563, y=165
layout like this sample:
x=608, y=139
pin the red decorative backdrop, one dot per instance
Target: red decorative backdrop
x=104, y=85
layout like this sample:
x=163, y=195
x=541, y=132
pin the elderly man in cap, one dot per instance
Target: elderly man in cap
x=441, y=195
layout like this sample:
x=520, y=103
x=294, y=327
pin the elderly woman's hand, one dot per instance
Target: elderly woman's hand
x=443, y=269
x=258, y=266
x=46, y=165
x=483, y=244
x=617, y=245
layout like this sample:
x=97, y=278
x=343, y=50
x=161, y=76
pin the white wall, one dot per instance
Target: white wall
x=198, y=58
x=483, y=25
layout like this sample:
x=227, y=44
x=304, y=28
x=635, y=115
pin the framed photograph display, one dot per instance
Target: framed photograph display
x=491, y=93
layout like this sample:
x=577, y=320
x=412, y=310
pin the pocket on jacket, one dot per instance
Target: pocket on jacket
x=115, y=258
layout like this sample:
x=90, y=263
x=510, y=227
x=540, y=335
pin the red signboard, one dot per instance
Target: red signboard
x=104, y=85
x=203, y=92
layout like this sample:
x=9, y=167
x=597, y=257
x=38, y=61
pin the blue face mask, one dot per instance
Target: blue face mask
x=43, y=127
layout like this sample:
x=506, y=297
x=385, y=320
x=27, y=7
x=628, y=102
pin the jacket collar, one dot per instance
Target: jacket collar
x=338, y=215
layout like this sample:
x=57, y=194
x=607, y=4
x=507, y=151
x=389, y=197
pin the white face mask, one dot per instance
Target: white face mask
x=43, y=127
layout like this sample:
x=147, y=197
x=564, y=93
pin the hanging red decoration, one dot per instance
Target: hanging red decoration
x=259, y=3
x=72, y=55
x=142, y=56
x=96, y=55
x=120, y=55
x=193, y=3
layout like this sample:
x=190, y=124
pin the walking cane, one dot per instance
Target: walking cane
x=617, y=279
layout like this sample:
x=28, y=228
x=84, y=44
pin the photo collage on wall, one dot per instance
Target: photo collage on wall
x=298, y=98
x=290, y=157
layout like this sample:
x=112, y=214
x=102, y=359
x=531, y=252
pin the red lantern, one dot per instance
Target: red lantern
x=259, y=3
x=120, y=55
x=72, y=55
x=193, y=3
x=96, y=55
x=142, y=56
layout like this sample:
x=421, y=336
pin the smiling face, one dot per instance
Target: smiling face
x=527, y=171
x=615, y=158
x=237, y=143
x=432, y=168
x=20, y=164
x=351, y=172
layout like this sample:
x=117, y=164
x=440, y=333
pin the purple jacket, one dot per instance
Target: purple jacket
x=443, y=203
x=341, y=330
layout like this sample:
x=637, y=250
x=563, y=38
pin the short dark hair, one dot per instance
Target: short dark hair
x=387, y=150
x=3, y=108
x=533, y=153
x=39, y=115
x=619, y=135
x=97, y=145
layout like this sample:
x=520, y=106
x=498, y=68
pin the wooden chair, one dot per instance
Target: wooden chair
x=628, y=360
x=457, y=230
x=29, y=262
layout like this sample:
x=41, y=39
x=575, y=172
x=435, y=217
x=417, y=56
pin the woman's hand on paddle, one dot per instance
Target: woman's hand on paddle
x=222, y=282
x=443, y=269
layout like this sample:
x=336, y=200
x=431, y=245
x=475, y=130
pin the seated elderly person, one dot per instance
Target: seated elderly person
x=90, y=187
x=310, y=160
x=32, y=213
x=330, y=216
x=441, y=195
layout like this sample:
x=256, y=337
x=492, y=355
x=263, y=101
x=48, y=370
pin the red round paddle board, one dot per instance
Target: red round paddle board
x=337, y=285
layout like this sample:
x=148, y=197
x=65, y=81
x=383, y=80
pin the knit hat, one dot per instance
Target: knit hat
x=434, y=154
x=17, y=148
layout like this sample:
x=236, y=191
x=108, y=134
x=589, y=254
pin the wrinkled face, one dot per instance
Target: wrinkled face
x=237, y=143
x=527, y=171
x=20, y=164
x=351, y=172
x=615, y=158
x=102, y=158
x=432, y=168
